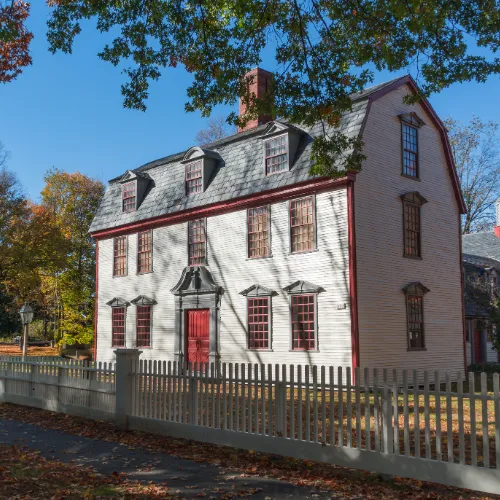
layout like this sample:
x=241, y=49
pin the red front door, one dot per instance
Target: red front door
x=198, y=336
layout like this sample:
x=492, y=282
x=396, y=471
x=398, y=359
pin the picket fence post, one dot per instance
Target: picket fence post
x=124, y=381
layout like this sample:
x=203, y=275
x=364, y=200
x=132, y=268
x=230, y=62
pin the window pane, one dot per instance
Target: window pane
x=194, y=180
x=196, y=235
x=412, y=229
x=415, y=321
x=128, y=196
x=303, y=322
x=302, y=224
x=120, y=256
x=143, y=326
x=276, y=156
x=410, y=151
x=118, y=326
x=258, y=232
x=258, y=323
x=145, y=252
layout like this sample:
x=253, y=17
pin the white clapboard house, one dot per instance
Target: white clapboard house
x=234, y=252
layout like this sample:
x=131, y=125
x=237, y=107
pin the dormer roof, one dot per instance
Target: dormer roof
x=239, y=171
x=131, y=175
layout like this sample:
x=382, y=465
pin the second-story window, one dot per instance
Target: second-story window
x=276, y=155
x=145, y=251
x=194, y=178
x=120, y=256
x=129, y=197
x=302, y=224
x=197, y=242
x=258, y=232
x=412, y=236
x=410, y=150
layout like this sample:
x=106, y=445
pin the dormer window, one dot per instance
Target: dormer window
x=276, y=155
x=129, y=196
x=194, y=177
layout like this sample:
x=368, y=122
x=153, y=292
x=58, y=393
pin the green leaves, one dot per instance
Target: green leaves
x=321, y=48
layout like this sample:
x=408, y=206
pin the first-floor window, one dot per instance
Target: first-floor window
x=197, y=240
x=143, y=326
x=118, y=327
x=258, y=323
x=303, y=322
x=415, y=311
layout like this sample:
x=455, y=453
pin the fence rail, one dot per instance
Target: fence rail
x=427, y=426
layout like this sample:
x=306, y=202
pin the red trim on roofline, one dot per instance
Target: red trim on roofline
x=353, y=280
x=497, y=231
x=408, y=80
x=279, y=194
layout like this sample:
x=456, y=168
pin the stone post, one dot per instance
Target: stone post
x=126, y=360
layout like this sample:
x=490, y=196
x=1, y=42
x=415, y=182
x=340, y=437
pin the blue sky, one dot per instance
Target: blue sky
x=66, y=111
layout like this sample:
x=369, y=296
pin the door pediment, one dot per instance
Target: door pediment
x=196, y=280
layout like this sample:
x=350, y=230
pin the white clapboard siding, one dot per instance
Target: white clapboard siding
x=382, y=271
x=327, y=267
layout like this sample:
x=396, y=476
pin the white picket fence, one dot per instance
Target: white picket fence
x=383, y=421
x=66, y=386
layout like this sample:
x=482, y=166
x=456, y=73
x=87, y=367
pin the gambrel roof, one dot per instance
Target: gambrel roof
x=239, y=172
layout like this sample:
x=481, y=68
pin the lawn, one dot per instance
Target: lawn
x=14, y=350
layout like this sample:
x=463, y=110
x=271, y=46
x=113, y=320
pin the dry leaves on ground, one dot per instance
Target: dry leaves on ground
x=343, y=482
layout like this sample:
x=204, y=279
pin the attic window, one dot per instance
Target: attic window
x=129, y=196
x=276, y=154
x=194, y=177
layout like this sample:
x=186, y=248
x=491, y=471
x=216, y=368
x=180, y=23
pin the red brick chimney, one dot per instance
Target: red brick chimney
x=260, y=86
x=497, y=227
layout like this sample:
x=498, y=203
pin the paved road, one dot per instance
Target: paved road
x=186, y=476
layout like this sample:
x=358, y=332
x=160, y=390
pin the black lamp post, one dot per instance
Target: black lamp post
x=26, y=313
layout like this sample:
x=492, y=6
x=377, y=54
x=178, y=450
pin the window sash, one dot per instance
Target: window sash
x=258, y=232
x=143, y=326
x=120, y=256
x=415, y=318
x=145, y=251
x=304, y=322
x=194, y=178
x=118, y=326
x=302, y=232
x=412, y=230
x=276, y=155
x=258, y=323
x=196, y=242
x=410, y=150
x=128, y=196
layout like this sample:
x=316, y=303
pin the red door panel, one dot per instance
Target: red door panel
x=198, y=335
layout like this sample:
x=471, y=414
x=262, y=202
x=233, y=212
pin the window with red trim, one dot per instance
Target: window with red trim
x=276, y=155
x=118, y=327
x=143, y=326
x=145, y=251
x=258, y=323
x=194, y=178
x=197, y=242
x=128, y=197
x=410, y=150
x=258, y=232
x=302, y=224
x=415, y=313
x=120, y=256
x=303, y=322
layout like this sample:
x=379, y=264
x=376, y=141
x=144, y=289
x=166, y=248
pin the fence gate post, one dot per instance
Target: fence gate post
x=125, y=360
